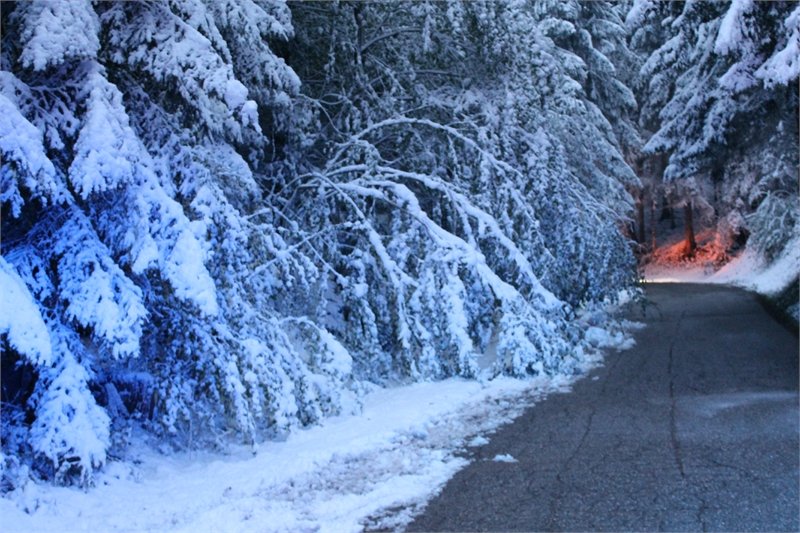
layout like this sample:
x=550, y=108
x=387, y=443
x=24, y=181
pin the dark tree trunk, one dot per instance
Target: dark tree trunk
x=688, y=230
x=667, y=213
x=653, y=244
x=640, y=230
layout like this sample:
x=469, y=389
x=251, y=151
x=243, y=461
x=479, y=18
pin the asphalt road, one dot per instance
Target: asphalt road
x=694, y=429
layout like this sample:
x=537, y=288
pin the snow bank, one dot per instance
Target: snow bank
x=372, y=470
x=747, y=270
x=750, y=271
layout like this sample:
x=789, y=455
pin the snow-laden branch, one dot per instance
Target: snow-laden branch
x=378, y=38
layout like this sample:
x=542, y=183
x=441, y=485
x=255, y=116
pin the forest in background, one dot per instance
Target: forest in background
x=223, y=220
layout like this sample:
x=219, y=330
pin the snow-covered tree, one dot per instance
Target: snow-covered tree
x=121, y=129
x=721, y=102
x=489, y=73
x=196, y=240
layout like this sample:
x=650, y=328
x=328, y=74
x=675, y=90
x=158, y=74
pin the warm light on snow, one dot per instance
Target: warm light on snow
x=746, y=270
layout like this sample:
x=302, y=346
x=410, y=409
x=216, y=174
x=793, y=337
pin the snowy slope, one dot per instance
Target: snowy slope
x=747, y=270
x=750, y=271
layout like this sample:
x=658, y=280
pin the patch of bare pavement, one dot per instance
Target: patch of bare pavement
x=694, y=429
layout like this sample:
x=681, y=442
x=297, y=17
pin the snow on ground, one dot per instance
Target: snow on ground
x=667, y=264
x=504, y=458
x=372, y=470
x=656, y=273
x=480, y=440
x=747, y=270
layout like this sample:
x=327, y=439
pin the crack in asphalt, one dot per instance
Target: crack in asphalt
x=701, y=511
x=673, y=422
x=742, y=471
x=556, y=498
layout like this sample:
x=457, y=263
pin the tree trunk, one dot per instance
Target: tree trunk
x=640, y=230
x=667, y=213
x=653, y=244
x=688, y=230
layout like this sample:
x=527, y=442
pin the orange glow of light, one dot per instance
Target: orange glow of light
x=710, y=251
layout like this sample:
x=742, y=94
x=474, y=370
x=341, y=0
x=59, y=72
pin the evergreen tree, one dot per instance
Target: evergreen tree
x=720, y=85
x=197, y=241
